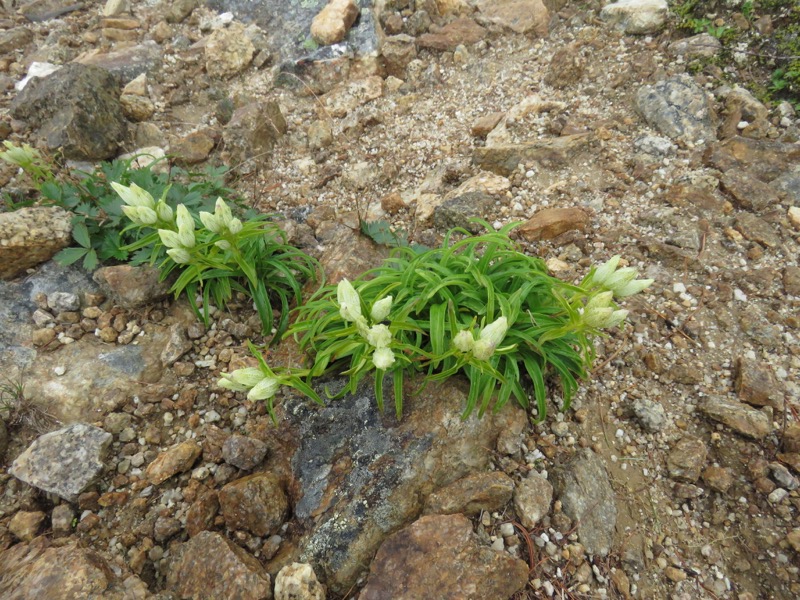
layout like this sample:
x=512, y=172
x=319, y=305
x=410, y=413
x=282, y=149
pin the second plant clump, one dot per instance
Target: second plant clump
x=476, y=306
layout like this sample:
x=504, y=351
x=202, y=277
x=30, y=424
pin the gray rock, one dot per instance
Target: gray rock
x=740, y=417
x=586, y=497
x=63, y=301
x=177, y=345
x=128, y=62
x=678, y=108
x=636, y=16
x=532, y=498
x=703, y=45
x=210, y=567
x=551, y=153
x=298, y=581
x=458, y=211
x=788, y=187
x=15, y=39
x=64, y=462
x=76, y=110
x=131, y=287
x=686, y=460
x=243, y=452
x=654, y=145
x=783, y=476
x=651, y=415
x=30, y=236
x=394, y=466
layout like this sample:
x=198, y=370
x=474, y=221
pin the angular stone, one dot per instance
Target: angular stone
x=344, y=99
x=549, y=223
x=718, y=479
x=256, y=503
x=76, y=111
x=748, y=192
x=61, y=520
x=791, y=438
x=64, y=462
x=791, y=280
x=756, y=384
x=793, y=538
x=128, y=62
x=44, y=10
x=253, y=131
x=347, y=255
x=636, y=16
x=743, y=419
x=484, y=125
x=210, y=567
x=532, y=498
x=458, y=211
x=472, y=494
x=228, y=51
x=504, y=159
x=397, y=51
x=176, y=460
x=25, y=524
x=587, y=498
x=178, y=10
x=520, y=16
x=137, y=108
x=678, y=108
x=243, y=452
x=177, y=345
x=787, y=187
x=703, y=45
x=131, y=287
x=461, y=31
x=298, y=581
x=566, y=68
x=686, y=460
x=439, y=557
x=334, y=21
x=651, y=415
x=765, y=159
x=15, y=39
x=200, y=516
x=30, y=236
x=758, y=230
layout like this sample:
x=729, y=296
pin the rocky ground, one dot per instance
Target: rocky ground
x=673, y=475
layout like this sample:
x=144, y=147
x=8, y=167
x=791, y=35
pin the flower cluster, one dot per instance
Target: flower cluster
x=601, y=314
x=140, y=206
x=260, y=386
x=622, y=282
x=489, y=339
x=378, y=335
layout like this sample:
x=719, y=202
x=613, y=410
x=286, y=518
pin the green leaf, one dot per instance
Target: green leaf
x=81, y=234
x=69, y=256
x=90, y=260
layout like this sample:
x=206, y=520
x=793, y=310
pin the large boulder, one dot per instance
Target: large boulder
x=30, y=236
x=678, y=108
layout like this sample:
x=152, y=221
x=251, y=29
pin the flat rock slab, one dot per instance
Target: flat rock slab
x=131, y=287
x=440, y=557
x=177, y=459
x=678, y=108
x=554, y=153
x=765, y=159
x=362, y=474
x=740, y=417
x=520, y=16
x=532, y=498
x=472, y=494
x=210, y=567
x=587, y=498
x=549, y=223
x=687, y=459
x=64, y=462
x=461, y=31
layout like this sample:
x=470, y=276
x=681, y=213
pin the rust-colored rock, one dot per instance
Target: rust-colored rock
x=201, y=513
x=461, y=31
x=176, y=460
x=504, y=159
x=256, y=503
x=756, y=384
x=552, y=222
x=471, y=494
x=334, y=21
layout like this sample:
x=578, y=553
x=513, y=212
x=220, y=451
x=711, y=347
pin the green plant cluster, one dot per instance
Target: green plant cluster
x=476, y=306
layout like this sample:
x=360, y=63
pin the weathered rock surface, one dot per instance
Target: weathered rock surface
x=439, y=557
x=334, y=21
x=175, y=460
x=472, y=494
x=131, y=287
x=702, y=45
x=532, y=498
x=739, y=416
x=31, y=236
x=553, y=153
x=228, y=51
x=76, y=110
x=687, y=459
x=252, y=132
x=458, y=211
x=461, y=31
x=256, y=503
x=298, y=581
x=520, y=16
x=765, y=159
x=64, y=462
x=210, y=567
x=636, y=16
x=127, y=62
x=678, y=108
x=587, y=498
x=243, y=452
x=363, y=474
x=755, y=383
x=549, y=223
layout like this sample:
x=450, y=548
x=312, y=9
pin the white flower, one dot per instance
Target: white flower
x=621, y=278
x=210, y=222
x=222, y=212
x=266, y=388
x=169, y=238
x=379, y=336
x=249, y=376
x=223, y=244
x=235, y=226
x=383, y=358
x=598, y=317
x=134, y=195
x=489, y=338
x=464, y=340
x=606, y=269
x=185, y=227
x=180, y=255
x=617, y=317
x=380, y=310
x=633, y=287
x=141, y=215
x=229, y=384
x=164, y=212
x=349, y=301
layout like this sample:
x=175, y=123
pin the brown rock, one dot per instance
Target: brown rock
x=210, y=567
x=794, y=539
x=718, y=479
x=685, y=461
x=748, y=192
x=334, y=21
x=472, y=494
x=520, y=16
x=30, y=236
x=42, y=337
x=164, y=528
x=504, y=159
x=757, y=230
x=26, y=524
x=200, y=516
x=756, y=384
x=393, y=203
x=675, y=574
x=532, y=498
x=397, y=52
x=253, y=131
x=791, y=438
x=194, y=148
x=131, y=287
x=740, y=417
x=566, y=67
x=439, y=557
x=549, y=223
x=15, y=39
x=256, y=503
x=120, y=35
x=461, y=31
x=764, y=159
x=137, y=108
x=243, y=452
x=176, y=460
x=791, y=280
x=485, y=124
x=792, y=459
x=350, y=255
x=228, y=51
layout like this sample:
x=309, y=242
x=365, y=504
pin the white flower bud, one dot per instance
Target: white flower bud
x=223, y=213
x=230, y=384
x=616, y=318
x=235, y=226
x=169, y=238
x=621, y=278
x=464, y=340
x=249, y=376
x=210, y=222
x=180, y=255
x=383, y=358
x=380, y=310
x=597, y=317
x=489, y=338
x=601, y=300
x=266, y=388
x=379, y=336
x=147, y=216
x=606, y=269
x=165, y=212
x=134, y=195
x=185, y=226
x=223, y=244
x=349, y=301
x=633, y=287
